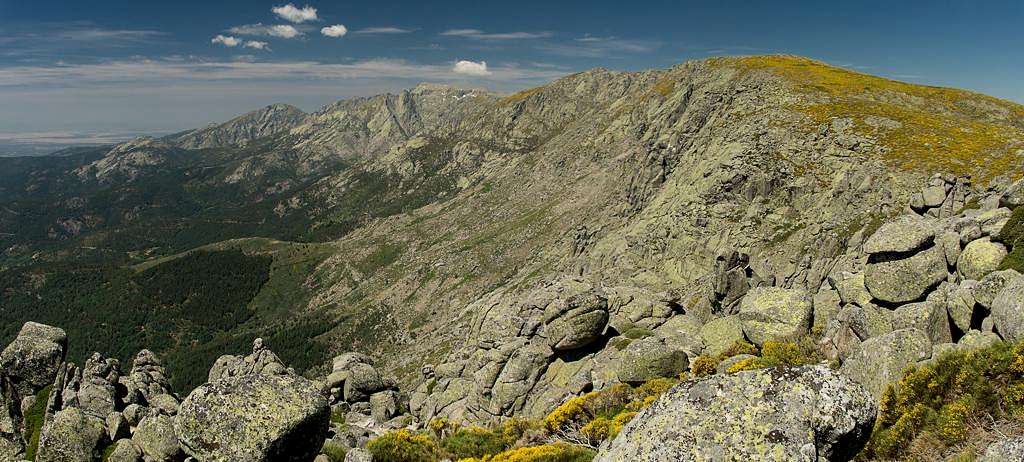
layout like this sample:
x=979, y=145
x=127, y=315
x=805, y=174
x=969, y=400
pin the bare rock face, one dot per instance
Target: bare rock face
x=72, y=436
x=254, y=417
x=805, y=413
x=902, y=278
x=260, y=361
x=879, y=361
x=775, y=313
x=32, y=359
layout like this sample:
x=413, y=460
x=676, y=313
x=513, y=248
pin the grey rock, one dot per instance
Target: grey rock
x=650, y=358
x=577, y=321
x=344, y=361
x=72, y=436
x=363, y=381
x=32, y=359
x=383, y=405
x=260, y=361
x=991, y=285
x=147, y=379
x=125, y=451
x=769, y=414
x=117, y=426
x=1005, y=450
x=156, y=438
x=980, y=258
x=1013, y=196
x=904, y=234
x=358, y=455
x=903, y=280
x=950, y=243
x=1008, y=310
x=851, y=288
x=254, y=417
x=976, y=340
x=775, y=313
x=879, y=361
x=721, y=333
x=929, y=317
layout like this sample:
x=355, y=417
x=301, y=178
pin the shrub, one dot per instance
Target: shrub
x=546, y=453
x=1013, y=234
x=936, y=406
x=778, y=354
x=334, y=451
x=704, y=366
x=403, y=446
x=473, y=442
x=740, y=347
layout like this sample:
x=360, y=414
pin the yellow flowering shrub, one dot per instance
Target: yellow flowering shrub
x=403, y=446
x=544, y=453
x=703, y=366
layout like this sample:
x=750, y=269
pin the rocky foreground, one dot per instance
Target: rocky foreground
x=925, y=283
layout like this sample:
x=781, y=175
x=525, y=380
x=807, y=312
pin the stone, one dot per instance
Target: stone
x=344, y=361
x=32, y=359
x=147, y=379
x=903, y=280
x=682, y=332
x=254, y=417
x=727, y=363
x=72, y=436
x=1013, y=197
x=125, y=451
x=117, y=426
x=775, y=313
x=720, y=334
x=879, y=361
x=980, y=258
x=363, y=381
x=260, y=361
x=650, y=358
x=165, y=404
x=851, y=288
x=804, y=413
x=950, y=244
x=576, y=322
x=358, y=455
x=134, y=413
x=933, y=196
x=383, y=405
x=1008, y=311
x=156, y=438
x=977, y=340
x=929, y=317
x=1004, y=450
x=904, y=234
x=991, y=285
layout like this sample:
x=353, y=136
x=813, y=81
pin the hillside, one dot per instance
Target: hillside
x=423, y=203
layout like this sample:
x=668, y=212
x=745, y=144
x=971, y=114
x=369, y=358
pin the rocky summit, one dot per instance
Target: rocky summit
x=749, y=258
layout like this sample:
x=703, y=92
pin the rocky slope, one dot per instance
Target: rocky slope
x=613, y=227
x=243, y=129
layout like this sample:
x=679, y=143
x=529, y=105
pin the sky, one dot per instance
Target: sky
x=98, y=69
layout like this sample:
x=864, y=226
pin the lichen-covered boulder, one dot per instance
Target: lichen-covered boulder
x=721, y=333
x=980, y=258
x=146, y=379
x=650, y=358
x=362, y=381
x=804, y=413
x=358, y=455
x=32, y=359
x=904, y=234
x=1008, y=310
x=898, y=278
x=774, y=313
x=930, y=317
x=254, y=417
x=576, y=321
x=383, y=405
x=156, y=438
x=991, y=285
x=72, y=436
x=260, y=361
x=124, y=451
x=879, y=361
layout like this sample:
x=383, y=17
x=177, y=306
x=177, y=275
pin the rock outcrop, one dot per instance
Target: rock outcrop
x=807, y=413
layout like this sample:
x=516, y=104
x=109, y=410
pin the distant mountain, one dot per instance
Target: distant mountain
x=254, y=125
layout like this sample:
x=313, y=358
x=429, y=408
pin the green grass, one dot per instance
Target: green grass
x=34, y=417
x=1013, y=235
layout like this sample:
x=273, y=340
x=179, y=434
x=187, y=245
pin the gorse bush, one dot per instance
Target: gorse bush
x=403, y=446
x=600, y=415
x=943, y=402
x=468, y=442
x=544, y=453
x=774, y=354
x=1013, y=234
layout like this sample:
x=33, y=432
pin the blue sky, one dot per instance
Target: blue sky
x=141, y=66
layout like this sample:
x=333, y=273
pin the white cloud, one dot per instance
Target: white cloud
x=227, y=41
x=471, y=68
x=336, y=30
x=256, y=44
x=481, y=35
x=284, y=31
x=382, y=30
x=281, y=30
x=297, y=15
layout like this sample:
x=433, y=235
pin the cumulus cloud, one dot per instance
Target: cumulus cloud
x=227, y=41
x=336, y=30
x=281, y=30
x=471, y=68
x=291, y=13
x=256, y=44
x=481, y=35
